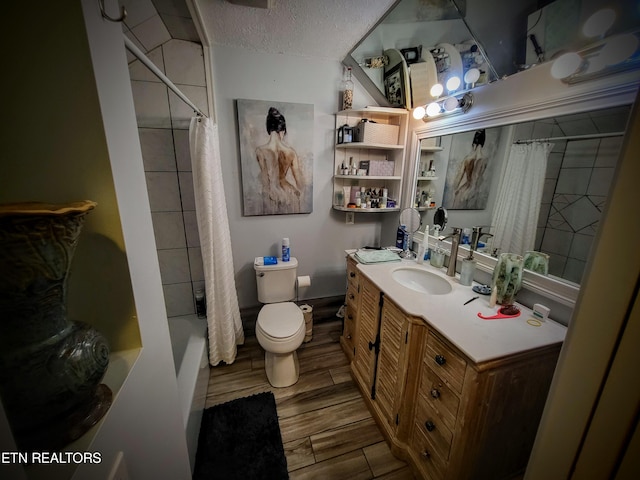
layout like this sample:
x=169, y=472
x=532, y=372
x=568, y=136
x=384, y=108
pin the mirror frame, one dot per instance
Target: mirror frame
x=530, y=95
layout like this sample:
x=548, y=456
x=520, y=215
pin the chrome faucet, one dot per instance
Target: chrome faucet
x=456, y=238
x=475, y=238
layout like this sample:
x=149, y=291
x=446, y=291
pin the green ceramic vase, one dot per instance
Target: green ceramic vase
x=50, y=367
x=507, y=277
x=537, y=262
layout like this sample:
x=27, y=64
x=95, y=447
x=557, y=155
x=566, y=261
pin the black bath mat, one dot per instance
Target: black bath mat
x=241, y=439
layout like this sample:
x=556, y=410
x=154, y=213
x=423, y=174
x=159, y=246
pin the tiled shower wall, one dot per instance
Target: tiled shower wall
x=577, y=182
x=163, y=121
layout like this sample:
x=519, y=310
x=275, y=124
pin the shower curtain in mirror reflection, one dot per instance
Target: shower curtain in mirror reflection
x=471, y=159
x=515, y=216
x=223, y=315
x=276, y=154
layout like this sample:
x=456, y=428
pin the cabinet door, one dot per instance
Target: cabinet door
x=390, y=375
x=367, y=333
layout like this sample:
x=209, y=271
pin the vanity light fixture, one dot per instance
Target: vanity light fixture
x=453, y=104
x=419, y=112
x=612, y=54
x=598, y=23
x=471, y=77
x=453, y=83
x=436, y=90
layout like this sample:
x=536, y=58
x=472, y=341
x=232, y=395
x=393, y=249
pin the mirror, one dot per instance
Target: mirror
x=500, y=37
x=471, y=173
x=417, y=44
x=410, y=218
x=440, y=218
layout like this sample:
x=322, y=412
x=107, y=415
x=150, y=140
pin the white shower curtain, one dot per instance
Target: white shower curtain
x=223, y=314
x=515, y=217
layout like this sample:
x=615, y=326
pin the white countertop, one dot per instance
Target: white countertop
x=480, y=340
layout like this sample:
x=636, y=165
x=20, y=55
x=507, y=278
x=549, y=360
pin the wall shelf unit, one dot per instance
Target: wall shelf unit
x=381, y=128
x=426, y=173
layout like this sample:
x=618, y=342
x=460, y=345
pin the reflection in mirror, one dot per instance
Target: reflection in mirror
x=538, y=186
x=498, y=37
x=424, y=42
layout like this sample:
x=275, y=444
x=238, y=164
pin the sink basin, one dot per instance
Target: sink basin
x=421, y=281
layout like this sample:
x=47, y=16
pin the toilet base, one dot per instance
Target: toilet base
x=282, y=369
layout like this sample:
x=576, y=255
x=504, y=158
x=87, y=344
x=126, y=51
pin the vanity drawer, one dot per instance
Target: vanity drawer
x=433, y=428
x=431, y=463
x=352, y=297
x=443, y=402
x=352, y=273
x=348, y=331
x=448, y=364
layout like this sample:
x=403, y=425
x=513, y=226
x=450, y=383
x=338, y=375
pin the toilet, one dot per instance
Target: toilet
x=280, y=328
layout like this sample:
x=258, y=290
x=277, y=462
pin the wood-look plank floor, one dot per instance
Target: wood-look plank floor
x=327, y=430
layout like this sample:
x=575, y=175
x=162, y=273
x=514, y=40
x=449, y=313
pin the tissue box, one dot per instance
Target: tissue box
x=368, y=132
x=383, y=168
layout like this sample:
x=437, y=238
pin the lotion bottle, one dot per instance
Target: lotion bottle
x=422, y=249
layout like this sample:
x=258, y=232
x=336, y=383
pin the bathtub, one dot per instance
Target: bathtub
x=189, y=344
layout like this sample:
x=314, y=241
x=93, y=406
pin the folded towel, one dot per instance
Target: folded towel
x=376, y=256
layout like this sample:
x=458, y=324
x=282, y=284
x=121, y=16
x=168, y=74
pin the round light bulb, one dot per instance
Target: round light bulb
x=565, y=65
x=419, y=112
x=618, y=49
x=472, y=76
x=598, y=23
x=436, y=90
x=453, y=83
x=450, y=104
x=433, y=109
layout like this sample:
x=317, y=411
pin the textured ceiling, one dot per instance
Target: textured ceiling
x=312, y=28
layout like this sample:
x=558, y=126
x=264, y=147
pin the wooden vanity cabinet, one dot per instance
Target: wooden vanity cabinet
x=367, y=331
x=477, y=420
x=449, y=417
x=352, y=307
x=385, y=342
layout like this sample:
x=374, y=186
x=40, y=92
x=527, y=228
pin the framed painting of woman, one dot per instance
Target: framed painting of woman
x=276, y=156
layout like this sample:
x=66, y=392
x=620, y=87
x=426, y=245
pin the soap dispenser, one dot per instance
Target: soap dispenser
x=467, y=270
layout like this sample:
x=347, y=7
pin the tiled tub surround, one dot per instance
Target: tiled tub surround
x=163, y=121
x=577, y=181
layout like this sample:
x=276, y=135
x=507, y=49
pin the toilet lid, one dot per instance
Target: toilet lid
x=280, y=320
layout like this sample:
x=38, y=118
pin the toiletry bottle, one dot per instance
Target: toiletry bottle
x=354, y=168
x=285, y=250
x=201, y=303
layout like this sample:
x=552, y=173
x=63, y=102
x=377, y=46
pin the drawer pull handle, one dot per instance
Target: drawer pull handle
x=426, y=454
x=435, y=393
x=352, y=274
x=440, y=360
x=348, y=337
x=430, y=426
x=351, y=296
x=350, y=317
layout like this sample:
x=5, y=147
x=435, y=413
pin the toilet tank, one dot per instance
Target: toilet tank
x=276, y=283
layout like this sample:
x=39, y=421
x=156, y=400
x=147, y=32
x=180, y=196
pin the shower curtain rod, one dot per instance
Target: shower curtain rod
x=573, y=137
x=156, y=71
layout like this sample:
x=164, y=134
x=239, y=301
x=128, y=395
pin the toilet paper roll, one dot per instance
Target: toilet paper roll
x=304, y=281
x=307, y=311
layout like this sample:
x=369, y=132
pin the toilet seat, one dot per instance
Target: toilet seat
x=280, y=321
